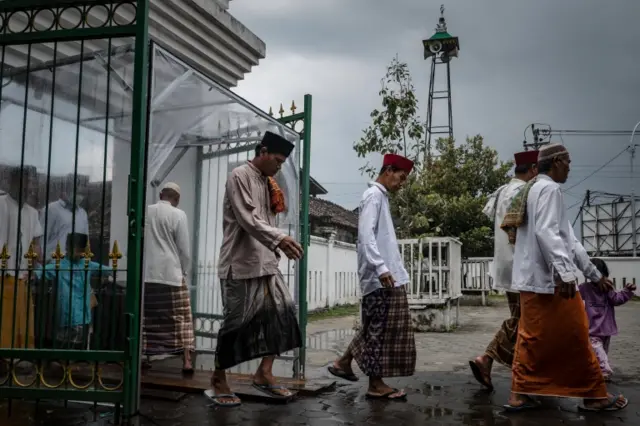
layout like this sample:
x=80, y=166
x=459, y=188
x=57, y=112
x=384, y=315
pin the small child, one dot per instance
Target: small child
x=602, y=317
x=74, y=299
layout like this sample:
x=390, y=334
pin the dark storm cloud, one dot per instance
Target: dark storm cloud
x=571, y=64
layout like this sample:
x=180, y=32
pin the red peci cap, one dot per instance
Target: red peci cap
x=398, y=161
x=526, y=157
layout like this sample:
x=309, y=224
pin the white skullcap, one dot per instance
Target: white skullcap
x=173, y=186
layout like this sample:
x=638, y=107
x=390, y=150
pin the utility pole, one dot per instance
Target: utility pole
x=634, y=229
x=539, y=136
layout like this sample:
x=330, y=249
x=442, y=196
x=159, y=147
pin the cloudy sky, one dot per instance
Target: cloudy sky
x=571, y=64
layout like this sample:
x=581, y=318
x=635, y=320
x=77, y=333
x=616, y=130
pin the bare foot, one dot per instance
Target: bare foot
x=262, y=378
x=221, y=387
x=481, y=368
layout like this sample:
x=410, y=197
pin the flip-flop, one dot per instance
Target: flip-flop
x=387, y=395
x=216, y=399
x=271, y=390
x=528, y=405
x=477, y=374
x=188, y=371
x=341, y=374
x=611, y=406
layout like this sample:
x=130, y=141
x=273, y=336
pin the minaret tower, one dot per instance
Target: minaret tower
x=441, y=47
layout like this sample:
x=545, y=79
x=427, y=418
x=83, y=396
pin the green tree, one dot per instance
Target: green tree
x=396, y=128
x=446, y=197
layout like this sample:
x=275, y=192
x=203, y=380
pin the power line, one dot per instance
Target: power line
x=598, y=169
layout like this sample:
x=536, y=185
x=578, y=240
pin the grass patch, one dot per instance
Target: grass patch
x=335, y=312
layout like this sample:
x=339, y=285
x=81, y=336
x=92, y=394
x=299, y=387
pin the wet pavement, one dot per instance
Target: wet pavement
x=434, y=398
x=442, y=392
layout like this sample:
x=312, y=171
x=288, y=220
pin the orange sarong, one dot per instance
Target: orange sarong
x=18, y=333
x=553, y=356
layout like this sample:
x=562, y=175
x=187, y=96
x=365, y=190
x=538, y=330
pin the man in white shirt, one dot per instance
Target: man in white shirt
x=168, y=324
x=500, y=349
x=385, y=345
x=20, y=229
x=553, y=356
x=62, y=218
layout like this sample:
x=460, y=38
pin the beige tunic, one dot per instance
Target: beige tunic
x=250, y=236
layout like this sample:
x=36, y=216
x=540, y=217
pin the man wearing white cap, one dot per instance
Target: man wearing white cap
x=168, y=324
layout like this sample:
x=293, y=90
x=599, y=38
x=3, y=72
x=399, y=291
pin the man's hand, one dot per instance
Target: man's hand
x=604, y=285
x=567, y=290
x=290, y=248
x=387, y=280
x=630, y=287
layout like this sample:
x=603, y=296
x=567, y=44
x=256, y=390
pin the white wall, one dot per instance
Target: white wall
x=333, y=274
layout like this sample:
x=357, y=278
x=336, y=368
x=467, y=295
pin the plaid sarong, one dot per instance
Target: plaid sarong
x=385, y=345
x=168, y=325
x=516, y=215
x=503, y=344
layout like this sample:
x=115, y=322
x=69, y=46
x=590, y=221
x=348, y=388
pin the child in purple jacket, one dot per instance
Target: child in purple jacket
x=602, y=317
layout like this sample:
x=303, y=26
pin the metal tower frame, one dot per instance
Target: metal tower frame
x=441, y=47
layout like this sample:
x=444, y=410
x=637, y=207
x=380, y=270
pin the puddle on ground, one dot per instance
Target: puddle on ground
x=329, y=339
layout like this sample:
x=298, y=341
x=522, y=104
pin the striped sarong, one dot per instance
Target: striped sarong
x=259, y=320
x=168, y=324
x=502, y=346
x=385, y=345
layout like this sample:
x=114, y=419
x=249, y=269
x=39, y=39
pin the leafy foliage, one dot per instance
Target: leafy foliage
x=447, y=195
x=397, y=127
x=447, y=198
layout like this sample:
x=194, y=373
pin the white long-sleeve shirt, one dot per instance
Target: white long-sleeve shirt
x=378, y=251
x=17, y=240
x=59, y=217
x=496, y=208
x=546, y=247
x=167, y=257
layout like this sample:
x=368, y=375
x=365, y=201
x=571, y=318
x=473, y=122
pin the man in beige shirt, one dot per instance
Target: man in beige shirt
x=259, y=314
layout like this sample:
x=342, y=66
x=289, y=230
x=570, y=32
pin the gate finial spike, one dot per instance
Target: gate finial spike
x=115, y=255
x=281, y=111
x=293, y=107
x=271, y=111
x=57, y=255
x=87, y=254
x=4, y=257
x=31, y=255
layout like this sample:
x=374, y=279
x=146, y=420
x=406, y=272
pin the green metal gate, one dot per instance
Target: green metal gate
x=74, y=86
x=206, y=294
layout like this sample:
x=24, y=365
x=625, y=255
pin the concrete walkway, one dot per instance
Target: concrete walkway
x=442, y=392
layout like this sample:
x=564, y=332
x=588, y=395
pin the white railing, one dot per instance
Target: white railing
x=476, y=278
x=434, y=268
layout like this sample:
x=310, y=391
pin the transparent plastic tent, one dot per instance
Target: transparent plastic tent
x=72, y=117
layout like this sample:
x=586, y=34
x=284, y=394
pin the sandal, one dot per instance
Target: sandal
x=480, y=375
x=341, y=374
x=272, y=390
x=391, y=395
x=612, y=405
x=216, y=399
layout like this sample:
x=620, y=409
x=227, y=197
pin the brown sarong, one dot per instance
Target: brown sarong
x=19, y=335
x=168, y=324
x=385, y=345
x=501, y=347
x=553, y=356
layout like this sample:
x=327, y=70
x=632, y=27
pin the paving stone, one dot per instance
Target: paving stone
x=442, y=392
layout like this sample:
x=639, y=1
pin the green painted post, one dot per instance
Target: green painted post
x=136, y=208
x=304, y=231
